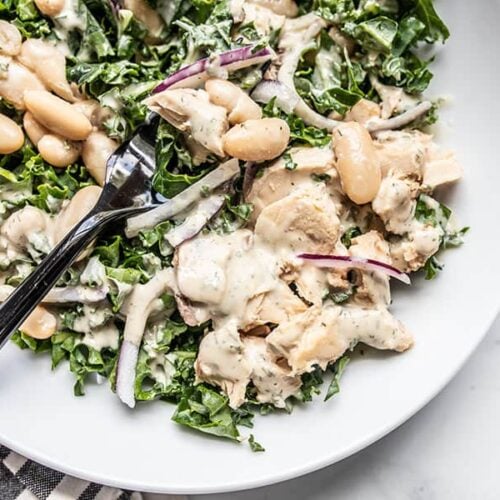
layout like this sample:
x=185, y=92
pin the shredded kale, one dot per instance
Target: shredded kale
x=437, y=214
x=349, y=235
x=254, y=445
x=338, y=369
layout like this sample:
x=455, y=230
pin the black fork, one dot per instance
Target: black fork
x=127, y=191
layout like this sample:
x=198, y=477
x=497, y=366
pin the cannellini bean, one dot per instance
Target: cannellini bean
x=92, y=110
x=96, y=150
x=238, y=104
x=10, y=39
x=357, y=162
x=49, y=63
x=57, y=115
x=22, y=223
x=147, y=15
x=11, y=135
x=57, y=150
x=363, y=111
x=40, y=324
x=34, y=130
x=257, y=140
x=79, y=206
x=18, y=79
x=50, y=7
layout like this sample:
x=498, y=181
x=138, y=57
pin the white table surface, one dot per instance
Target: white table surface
x=449, y=450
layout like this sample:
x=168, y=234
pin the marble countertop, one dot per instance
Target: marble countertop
x=449, y=450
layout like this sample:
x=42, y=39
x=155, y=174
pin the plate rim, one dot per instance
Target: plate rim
x=273, y=478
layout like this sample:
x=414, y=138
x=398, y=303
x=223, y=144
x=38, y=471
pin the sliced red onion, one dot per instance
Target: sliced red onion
x=345, y=261
x=64, y=295
x=286, y=98
x=286, y=75
x=125, y=374
x=223, y=173
x=196, y=74
x=82, y=294
x=115, y=5
x=401, y=120
x=196, y=220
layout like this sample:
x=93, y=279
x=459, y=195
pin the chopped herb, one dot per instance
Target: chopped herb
x=254, y=445
x=338, y=369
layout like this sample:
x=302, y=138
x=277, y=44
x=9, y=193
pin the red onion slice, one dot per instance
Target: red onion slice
x=195, y=220
x=196, y=74
x=345, y=261
x=223, y=173
x=399, y=121
x=65, y=295
x=286, y=98
x=125, y=374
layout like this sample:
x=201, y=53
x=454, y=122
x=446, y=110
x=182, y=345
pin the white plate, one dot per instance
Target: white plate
x=97, y=438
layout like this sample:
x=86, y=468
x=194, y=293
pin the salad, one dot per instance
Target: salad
x=295, y=151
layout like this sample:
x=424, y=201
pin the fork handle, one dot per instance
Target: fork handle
x=33, y=289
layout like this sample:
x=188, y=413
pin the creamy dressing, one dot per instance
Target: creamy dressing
x=142, y=301
x=225, y=272
x=106, y=336
x=91, y=318
x=396, y=207
x=321, y=335
x=68, y=20
x=192, y=112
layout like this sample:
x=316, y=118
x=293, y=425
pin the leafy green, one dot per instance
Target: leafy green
x=454, y=239
x=300, y=133
x=37, y=183
x=340, y=297
x=409, y=31
x=311, y=385
x=26, y=342
x=254, y=445
x=435, y=29
x=203, y=409
x=432, y=268
x=83, y=360
x=232, y=216
x=25, y=15
x=378, y=32
x=174, y=167
x=436, y=214
x=338, y=369
x=349, y=234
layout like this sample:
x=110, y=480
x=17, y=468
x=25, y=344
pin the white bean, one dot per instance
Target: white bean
x=357, y=162
x=257, y=140
x=49, y=63
x=238, y=104
x=18, y=79
x=97, y=148
x=58, y=151
x=10, y=39
x=11, y=135
x=147, y=15
x=50, y=7
x=79, y=206
x=22, y=223
x=57, y=115
x=40, y=324
x=33, y=129
x=92, y=110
